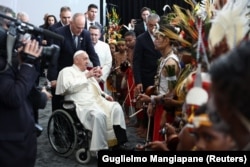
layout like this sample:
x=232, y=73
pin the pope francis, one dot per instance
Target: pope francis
x=96, y=110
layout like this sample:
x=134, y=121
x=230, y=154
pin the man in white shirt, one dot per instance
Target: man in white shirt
x=103, y=51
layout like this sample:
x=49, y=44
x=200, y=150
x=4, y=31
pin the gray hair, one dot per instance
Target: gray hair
x=153, y=16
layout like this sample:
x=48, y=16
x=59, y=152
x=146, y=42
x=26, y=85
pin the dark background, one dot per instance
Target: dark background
x=130, y=9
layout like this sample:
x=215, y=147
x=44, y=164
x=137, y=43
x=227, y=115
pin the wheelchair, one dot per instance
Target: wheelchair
x=67, y=135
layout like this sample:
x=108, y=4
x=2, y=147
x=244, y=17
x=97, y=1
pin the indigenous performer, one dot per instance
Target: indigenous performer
x=220, y=140
x=119, y=58
x=129, y=105
x=168, y=71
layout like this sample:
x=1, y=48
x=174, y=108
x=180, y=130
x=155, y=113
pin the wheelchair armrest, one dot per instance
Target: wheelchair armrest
x=68, y=105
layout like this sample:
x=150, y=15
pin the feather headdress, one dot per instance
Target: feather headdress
x=231, y=23
x=187, y=19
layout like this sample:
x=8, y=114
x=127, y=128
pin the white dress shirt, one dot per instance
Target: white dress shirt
x=89, y=24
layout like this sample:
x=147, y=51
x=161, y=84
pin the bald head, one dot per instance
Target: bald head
x=77, y=24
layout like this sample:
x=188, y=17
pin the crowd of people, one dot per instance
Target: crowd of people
x=183, y=76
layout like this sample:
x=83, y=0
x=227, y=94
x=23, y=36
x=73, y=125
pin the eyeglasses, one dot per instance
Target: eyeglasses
x=152, y=25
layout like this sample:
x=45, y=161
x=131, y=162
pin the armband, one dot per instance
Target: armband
x=28, y=58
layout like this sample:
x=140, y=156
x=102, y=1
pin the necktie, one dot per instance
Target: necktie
x=75, y=37
x=90, y=24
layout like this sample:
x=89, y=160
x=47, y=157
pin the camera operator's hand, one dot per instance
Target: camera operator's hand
x=32, y=48
x=30, y=52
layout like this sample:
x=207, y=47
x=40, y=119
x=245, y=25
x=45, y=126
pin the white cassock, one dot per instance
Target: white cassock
x=102, y=49
x=95, y=112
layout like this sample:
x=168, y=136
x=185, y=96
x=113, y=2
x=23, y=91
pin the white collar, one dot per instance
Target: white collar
x=88, y=22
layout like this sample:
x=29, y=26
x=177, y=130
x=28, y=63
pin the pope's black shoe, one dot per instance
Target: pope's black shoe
x=122, y=147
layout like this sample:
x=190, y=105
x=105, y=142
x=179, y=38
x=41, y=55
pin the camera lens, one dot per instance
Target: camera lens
x=50, y=51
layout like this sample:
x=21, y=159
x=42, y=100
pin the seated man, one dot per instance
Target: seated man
x=96, y=110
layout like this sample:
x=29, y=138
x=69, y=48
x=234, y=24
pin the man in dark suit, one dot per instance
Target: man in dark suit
x=75, y=38
x=141, y=27
x=146, y=56
x=145, y=59
x=65, y=17
x=91, y=19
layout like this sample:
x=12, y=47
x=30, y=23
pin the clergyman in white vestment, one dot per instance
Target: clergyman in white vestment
x=95, y=109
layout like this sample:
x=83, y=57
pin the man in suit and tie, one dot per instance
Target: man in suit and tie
x=91, y=19
x=75, y=38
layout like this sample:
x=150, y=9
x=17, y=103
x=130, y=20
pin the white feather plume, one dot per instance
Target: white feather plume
x=230, y=22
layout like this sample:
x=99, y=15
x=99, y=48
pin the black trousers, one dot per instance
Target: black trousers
x=120, y=134
x=56, y=100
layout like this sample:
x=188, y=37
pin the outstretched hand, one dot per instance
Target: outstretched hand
x=94, y=72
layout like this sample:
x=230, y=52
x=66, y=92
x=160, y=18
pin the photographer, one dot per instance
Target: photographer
x=17, y=125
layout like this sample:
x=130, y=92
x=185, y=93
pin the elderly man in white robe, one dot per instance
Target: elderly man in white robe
x=96, y=110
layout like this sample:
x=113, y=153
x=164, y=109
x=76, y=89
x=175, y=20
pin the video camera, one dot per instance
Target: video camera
x=10, y=40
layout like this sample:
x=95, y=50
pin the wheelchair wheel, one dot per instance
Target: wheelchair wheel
x=83, y=156
x=62, y=133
